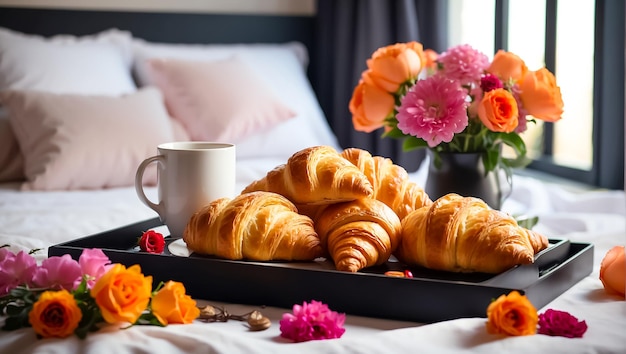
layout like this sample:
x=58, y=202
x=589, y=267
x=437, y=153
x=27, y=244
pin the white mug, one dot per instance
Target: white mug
x=189, y=176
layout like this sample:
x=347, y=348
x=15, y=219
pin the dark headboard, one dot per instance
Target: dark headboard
x=163, y=27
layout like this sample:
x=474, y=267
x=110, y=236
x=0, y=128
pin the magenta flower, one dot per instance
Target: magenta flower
x=15, y=269
x=560, y=323
x=58, y=273
x=463, y=63
x=433, y=109
x=490, y=82
x=312, y=321
x=93, y=264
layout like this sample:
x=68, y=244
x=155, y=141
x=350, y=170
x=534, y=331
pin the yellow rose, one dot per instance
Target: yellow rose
x=55, y=314
x=369, y=106
x=613, y=271
x=171, y=305
x=541, y=96
x=506, y=66
x=513, y=315
x=395, y=64
x=498, y=111
x=122, y=294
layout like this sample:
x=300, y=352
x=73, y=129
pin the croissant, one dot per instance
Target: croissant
x=358, y=234
x=261, y=226
x=315, y=175
x=462, y=234
x=390, y=182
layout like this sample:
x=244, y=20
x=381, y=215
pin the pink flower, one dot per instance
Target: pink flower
x=521, y=112
x=93, y=264
x=464, y=64
x=312, y=321
x=15, y=269
x=58, y=273
x=560, y=323
x=434, y=109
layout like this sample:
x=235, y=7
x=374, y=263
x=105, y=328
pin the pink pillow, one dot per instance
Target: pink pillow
x=86, y=142
x=219, y=100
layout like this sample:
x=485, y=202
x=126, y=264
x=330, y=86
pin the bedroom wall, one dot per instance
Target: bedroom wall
x=270, y=7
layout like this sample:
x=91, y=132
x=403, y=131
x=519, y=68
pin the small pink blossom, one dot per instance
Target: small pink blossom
x=93, y=264
x=15, y=269
x=58, y=273
x=463, y=63
x=560, y=323
x=490, y=82
x=312, y=321
x=434, y=109
x=521, y=117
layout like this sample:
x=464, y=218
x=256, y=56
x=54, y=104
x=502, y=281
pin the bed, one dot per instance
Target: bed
x=62, y=178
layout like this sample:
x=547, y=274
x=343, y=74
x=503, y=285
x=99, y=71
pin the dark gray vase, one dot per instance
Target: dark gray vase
x=463, y=174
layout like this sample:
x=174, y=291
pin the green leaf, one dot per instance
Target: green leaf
x=412, y=143
x=514, y=141
x=491, y=158
x=149, y=319
x=394, y=133
x=527, y=221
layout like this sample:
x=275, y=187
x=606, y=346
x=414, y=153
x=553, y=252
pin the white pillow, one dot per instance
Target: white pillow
x=99, y=64
x=74, y=141
x=282, y=67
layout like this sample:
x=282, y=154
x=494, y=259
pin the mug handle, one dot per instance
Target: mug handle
x=159, y=208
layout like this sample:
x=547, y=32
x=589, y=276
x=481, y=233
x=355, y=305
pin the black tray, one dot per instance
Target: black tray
x=429, y=296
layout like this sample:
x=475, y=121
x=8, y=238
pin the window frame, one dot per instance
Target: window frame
x=607, y=169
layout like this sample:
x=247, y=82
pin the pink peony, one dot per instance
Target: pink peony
x=312, y=321
x=560, y=323
x=58, y=273
x=434, y=109
x=464, y=64
x=93, y=264
x=15, y=269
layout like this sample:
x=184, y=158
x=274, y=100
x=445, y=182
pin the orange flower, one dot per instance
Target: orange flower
x=507, y=66
x=613, y=271
x=122, y=294
x=370, y=106
x=395, y=64
x=55, y=314
x=430, y=62
x=513, y=315
x=541, y=96
x=172, y=305
x=498, y=111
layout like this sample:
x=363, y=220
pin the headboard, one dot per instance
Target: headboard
x=163, y=27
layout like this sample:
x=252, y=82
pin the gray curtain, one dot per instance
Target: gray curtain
x=347, y=33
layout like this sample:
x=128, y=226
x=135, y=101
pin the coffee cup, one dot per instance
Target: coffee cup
x=189, y=176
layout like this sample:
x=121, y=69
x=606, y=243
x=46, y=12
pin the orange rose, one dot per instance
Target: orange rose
x=122, y=294
x=613, y=271
x=507, y=66
x=395, y=64
x=430, y=62
x=370, y=106
x=541, y=96
x=513, y=315
x=55, y=314
x=172, y=305
x=498, y=111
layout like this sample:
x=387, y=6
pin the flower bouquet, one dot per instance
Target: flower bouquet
x=455, y=102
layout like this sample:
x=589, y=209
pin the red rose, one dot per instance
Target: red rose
x=152, y=242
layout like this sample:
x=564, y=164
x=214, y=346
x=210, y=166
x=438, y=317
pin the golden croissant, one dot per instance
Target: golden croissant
x=358, y=234
x=261, y=226
x=390, y=182
x=315, y=175
x=463, y=234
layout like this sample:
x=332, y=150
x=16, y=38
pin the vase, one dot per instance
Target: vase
x=464, y=174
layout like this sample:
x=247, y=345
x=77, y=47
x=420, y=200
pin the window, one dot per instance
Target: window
x=582, y=42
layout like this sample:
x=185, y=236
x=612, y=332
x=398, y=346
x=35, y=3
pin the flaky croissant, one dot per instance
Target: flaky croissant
x=358, y=234
x=261, y=226
x=315, y=175
x=463, y=234
x=390, y=182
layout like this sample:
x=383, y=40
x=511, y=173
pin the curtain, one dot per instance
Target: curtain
x=347, y=33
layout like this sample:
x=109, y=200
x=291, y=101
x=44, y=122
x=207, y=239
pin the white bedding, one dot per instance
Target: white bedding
x=40, y=219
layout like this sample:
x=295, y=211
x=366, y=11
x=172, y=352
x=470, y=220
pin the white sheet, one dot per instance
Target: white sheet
x=38, y=220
